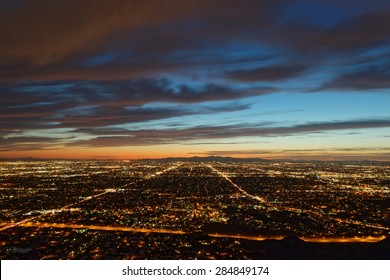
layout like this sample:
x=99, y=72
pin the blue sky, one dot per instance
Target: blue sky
x=272, y=79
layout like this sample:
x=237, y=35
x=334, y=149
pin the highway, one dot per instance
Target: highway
x=261, y=199
x=355, y=239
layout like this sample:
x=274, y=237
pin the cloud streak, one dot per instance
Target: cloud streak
x=169, y=136
x=28, y=143
x=87, y=104
x=368, y=79
x=270, y=73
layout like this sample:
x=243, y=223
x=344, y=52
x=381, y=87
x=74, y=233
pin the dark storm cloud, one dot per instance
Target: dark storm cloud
x=364, y=31
x=58, y=40
x=169, y=136
x=110, y=40
x=46, y=31
x=326, y=27
x=61, y=40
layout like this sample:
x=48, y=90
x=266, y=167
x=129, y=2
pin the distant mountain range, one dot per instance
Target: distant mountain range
x=209, y=159
x=243, y=160
x=168, y=159
x=212, y=159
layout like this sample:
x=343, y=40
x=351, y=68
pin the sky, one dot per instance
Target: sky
x=273, y=79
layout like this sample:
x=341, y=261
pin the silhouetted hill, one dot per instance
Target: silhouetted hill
x=293, y=248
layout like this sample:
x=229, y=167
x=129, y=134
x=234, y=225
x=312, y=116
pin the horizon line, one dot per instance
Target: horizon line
x=113, y=158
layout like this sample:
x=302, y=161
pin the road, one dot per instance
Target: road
x=355, y=239
x=261, y=199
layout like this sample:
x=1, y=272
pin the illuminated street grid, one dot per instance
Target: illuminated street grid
x=58, y=200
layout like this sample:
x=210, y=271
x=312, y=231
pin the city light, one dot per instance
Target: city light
x=102, y=209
